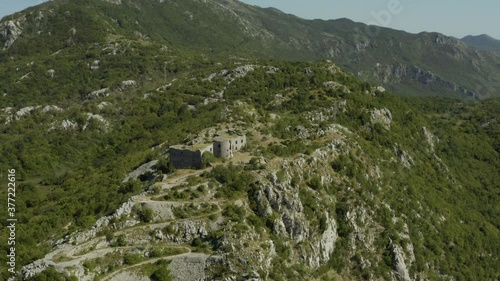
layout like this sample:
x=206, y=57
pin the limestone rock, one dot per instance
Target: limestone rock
x=97, y=117
x=98, y=94
x=52, y=108
x=51, y=73
x=328, y=239
x=380, y=89
x=95, y=65
x=382, y=116
x=9, y=32
x=189, y=230
x=189, y=268
x=128, y=84
x=67, y=124
x=337, y=86
x=429, y=137
x=400, y=265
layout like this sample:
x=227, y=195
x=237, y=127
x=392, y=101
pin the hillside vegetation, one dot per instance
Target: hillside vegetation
x=425, y=64
x=340, y=180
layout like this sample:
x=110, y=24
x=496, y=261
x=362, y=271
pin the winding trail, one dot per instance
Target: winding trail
x=149, y=261
x=68, y=255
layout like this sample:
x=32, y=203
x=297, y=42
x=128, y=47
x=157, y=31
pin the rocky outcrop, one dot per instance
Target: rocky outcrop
x=12, y=115
x=98, y=94
x=116, y=2
x=128, y=84
x=337, y=87
x=188, y=230
x=9, y=32
x=429, y=138
x=399, y=73
x=95, y=117
x=67, y=124
x=189, y=268
x=381, y=116
x=95, y=65
x=280, y=200
x=323, y=248
x=399, y=264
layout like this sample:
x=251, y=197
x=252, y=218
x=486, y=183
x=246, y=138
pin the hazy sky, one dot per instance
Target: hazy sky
x=451, y=17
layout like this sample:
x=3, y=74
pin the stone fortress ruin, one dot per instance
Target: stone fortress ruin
x=222, y=146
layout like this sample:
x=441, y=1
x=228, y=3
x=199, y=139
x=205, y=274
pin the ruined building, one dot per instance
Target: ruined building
x=186, y=157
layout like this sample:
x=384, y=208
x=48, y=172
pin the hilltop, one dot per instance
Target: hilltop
x=340, y=179
x=482, y=42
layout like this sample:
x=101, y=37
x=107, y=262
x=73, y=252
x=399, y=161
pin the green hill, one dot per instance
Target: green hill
x=482, y=42
x=410, y=64
x=340, y=179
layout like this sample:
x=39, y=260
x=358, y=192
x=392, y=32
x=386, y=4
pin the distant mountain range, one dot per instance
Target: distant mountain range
x=482, y=42
x=428, y=64
x=340, y=179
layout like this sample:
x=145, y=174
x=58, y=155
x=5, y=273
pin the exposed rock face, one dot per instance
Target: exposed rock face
x=240, y=72
x=398, y=73
x=53, y=108
x=382, y=116
x=380, y=89
x=400, y=265
x=404, y=157
x=280, y=200
x=116, y=2
x=98, y=94
x=96, y=117
x=328, y=239
x=189, y=230
x=9, y=32
x=162, y=210
x=189, y=268
x=67, y=124
x=337, y=86
x=323, y=248
x=35, y=268
x=128, y=84
x=429, y=137
x=26, y=111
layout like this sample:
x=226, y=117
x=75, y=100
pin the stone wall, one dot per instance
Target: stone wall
x=185, y=158
x=224, y=147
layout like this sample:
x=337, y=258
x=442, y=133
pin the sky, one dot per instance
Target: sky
x=451, y=17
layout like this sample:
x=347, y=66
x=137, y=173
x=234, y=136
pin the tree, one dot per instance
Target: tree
x=207, y=158
x=165, y=166
x=146, y=215
x=161, y=274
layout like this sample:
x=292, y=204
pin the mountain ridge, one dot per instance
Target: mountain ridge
x=234, y=27
x=340, y=179
x=482, y=42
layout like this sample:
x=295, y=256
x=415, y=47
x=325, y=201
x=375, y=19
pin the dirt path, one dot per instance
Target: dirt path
x=188, y=254
x=67, y=255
